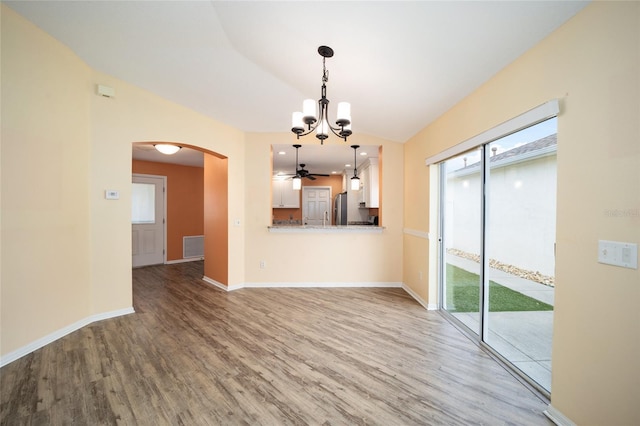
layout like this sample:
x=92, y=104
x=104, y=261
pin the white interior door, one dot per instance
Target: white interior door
x=316, y=205
x=147, y=220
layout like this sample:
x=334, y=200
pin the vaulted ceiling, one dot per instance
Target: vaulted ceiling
x=250, y=64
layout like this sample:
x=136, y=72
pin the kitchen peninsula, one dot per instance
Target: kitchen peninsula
x=329, y=229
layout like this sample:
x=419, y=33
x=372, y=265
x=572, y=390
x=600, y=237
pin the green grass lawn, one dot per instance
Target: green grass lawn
x=463, y=295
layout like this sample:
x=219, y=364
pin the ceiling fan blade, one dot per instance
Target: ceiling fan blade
x=310, y=177
x=318, y=174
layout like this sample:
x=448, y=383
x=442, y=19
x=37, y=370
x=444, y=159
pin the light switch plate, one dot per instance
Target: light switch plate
x=618, y=254
x=111, y=194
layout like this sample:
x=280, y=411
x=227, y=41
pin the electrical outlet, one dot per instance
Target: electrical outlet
x=618, y=254
x=263, y=264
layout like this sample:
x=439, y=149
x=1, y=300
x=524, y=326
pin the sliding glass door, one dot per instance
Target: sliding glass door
x=498, y=210
x=461, y=195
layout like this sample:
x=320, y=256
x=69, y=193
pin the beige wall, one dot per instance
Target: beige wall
x=66, y=251
x=592, y=64
x=307, y=257
x=46, y=246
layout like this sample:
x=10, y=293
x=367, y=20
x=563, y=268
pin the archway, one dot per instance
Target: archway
x=214, y=201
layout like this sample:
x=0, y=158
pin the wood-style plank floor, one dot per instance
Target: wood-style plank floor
x=195, y=355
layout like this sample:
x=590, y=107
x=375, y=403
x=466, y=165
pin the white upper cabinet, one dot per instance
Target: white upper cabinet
x=284, y=196
x=369, y=181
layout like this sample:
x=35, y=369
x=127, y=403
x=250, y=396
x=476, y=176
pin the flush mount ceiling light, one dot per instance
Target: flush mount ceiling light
x=355, y=180
x=167, y=148
x=320, y=123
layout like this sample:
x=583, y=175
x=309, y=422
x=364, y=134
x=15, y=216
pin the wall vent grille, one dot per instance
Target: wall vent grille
x=193, y=246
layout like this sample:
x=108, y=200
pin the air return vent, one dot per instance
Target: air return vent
x=193, y=246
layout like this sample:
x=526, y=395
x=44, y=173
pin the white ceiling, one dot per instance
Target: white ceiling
x=317, y=158
x=251, y=63
x=185, y=156
x=325, y=159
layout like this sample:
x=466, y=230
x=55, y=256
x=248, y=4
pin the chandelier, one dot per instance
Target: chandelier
x=310, y=118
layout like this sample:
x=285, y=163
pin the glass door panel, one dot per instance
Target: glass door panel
x=520, y=215
x=461, y=195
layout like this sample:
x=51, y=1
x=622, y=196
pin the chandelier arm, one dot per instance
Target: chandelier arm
x=311, y=129
x=323, y=110
x=341, y=136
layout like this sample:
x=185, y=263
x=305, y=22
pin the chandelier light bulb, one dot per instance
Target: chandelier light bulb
x=296, y=122
x=344, y=114
x=315, y=114
x=309, y=111
x=322, y=130
x=346, y=130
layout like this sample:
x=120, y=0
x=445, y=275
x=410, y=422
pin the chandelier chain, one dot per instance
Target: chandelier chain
x=325, y=72
x=318, y=119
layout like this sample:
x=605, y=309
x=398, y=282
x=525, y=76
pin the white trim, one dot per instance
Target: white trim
x=509, y=161
x=557, y=417
x=427, y=306
x=416, y=233
x=215, y=283
x=190, y=259
x=50, y=338
x=534, y=116
x=311, y=284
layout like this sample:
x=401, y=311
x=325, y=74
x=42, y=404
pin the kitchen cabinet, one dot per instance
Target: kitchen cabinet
x=284, y=196
x=369, y=184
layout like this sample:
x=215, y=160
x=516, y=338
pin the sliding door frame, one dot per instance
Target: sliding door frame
x=530, y=118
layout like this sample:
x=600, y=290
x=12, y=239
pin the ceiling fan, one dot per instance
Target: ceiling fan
x=302, y=172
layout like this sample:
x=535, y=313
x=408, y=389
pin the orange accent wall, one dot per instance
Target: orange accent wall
x=216, y=188
x=185, y=201
x=335, y=182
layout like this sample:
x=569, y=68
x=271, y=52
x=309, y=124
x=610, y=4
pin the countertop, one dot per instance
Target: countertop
x=327, y=229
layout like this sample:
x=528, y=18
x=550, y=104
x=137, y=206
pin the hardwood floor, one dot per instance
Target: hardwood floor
x=195, y=355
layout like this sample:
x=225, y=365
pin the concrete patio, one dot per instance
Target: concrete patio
x=523, y=338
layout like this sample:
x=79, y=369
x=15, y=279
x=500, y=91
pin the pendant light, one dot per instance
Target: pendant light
x=355, y=180
x=297, y=179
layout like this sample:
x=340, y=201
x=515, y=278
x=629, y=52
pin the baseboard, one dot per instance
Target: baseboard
x=37, y=344
x=427, y=306
x=215, y=283
x=191, y=259
x=557, y=417
x=312, y=284
x=302, y=284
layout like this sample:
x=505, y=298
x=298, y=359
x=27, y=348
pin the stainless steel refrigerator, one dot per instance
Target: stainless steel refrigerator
x=340, y=209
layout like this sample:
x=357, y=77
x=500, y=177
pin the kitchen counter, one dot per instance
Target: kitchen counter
x=330, y=229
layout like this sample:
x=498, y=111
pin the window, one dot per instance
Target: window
x=143, y=203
